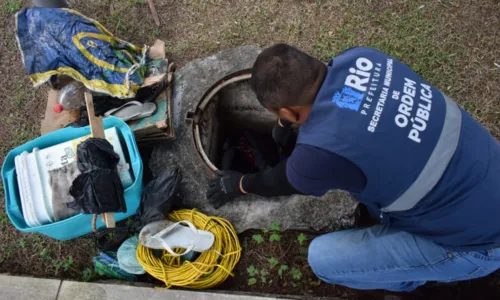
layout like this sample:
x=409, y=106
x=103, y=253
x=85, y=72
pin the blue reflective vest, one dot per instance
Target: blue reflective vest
x=431, y=169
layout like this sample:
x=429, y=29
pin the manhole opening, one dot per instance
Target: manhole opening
x=231, y=122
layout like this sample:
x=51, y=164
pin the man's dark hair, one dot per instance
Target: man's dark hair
x=281, y=76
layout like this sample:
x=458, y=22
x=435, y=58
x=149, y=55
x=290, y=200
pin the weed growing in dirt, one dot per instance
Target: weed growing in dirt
x=252, y=281
x=281, y=270
x=258, y=238
x=269, y=241
x=87, y=274
x=11, y=6
x=302, y=238
x=273, y=262
x=296, y=274
x=64, y=264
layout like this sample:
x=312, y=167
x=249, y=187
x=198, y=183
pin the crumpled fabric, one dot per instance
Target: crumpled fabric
x=98, y=188
x=55, y=41
x=59, y=180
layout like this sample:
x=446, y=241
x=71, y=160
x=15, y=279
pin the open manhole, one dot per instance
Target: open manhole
x=229, y=117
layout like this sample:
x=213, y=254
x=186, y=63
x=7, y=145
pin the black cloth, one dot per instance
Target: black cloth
x=98, y=188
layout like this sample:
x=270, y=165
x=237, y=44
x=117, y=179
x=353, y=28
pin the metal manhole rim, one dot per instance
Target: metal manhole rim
x=234, y=77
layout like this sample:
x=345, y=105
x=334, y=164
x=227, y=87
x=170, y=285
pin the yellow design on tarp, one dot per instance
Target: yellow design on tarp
x=101, y=63
x=117, y=90
x=97, y=84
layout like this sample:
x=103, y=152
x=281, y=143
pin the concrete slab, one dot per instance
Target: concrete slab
x=71, y=290
x=28, y=288
x=331, y=212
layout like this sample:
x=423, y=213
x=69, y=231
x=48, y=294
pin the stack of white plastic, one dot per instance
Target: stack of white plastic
x=33, y=175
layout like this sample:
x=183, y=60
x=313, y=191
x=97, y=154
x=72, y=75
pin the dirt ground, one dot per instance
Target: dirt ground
x=455, y=45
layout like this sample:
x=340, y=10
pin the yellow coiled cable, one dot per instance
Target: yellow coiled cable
x=210, y=269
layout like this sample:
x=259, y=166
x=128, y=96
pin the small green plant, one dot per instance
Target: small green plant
x=252, y=281
x=296, y=273
x=252, y=270
x=68, y=263
x=22, y=244
x=302, y=238
x=273, y=262
x=65, y=265
x=263, y=275
x=87, y=274
x=276, y=226
x=258, y=238
x=281, y=270
x=44, y=254
x=275, y=237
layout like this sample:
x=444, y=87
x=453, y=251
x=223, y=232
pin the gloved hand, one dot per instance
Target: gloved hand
x=283, y=134
x=224, y=188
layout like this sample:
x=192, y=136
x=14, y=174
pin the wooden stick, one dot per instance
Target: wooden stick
x=97, y=131
x=153, y=12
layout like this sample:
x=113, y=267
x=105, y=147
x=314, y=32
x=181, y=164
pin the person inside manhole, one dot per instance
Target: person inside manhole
x=420, y=164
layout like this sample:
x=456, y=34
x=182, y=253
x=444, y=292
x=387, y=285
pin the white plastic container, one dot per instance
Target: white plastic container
x=33, y=175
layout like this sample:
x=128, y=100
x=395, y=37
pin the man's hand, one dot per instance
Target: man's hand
x=224, y=188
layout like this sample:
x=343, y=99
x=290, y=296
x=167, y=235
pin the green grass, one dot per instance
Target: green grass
x=136, y=2
x=11, y=6
x=20, y=98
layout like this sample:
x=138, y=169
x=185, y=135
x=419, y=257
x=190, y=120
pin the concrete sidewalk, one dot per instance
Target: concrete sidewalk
x=28, y=288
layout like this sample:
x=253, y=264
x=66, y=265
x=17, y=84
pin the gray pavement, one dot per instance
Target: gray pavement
x=28, y=288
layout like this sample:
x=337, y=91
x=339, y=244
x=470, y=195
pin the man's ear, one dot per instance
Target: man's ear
x=289, y=114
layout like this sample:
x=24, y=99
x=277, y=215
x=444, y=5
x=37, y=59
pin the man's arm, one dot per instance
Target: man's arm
x=309, y=171
x=230, y=184
x=269, y=183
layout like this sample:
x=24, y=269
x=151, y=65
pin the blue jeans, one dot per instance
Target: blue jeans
x=382, y=258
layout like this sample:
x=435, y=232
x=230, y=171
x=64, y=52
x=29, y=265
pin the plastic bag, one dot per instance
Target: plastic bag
x=159, y=197
x=127, y=259
x=98, y=189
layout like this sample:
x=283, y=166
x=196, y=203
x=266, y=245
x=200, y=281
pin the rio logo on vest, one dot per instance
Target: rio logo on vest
x=356, y=85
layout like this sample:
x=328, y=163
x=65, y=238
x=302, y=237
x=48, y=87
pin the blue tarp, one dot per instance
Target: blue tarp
x=62, y=41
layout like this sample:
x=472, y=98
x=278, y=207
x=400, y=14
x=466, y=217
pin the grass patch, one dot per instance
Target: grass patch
x=406, y=32
x=11, y=6
x=20, y=98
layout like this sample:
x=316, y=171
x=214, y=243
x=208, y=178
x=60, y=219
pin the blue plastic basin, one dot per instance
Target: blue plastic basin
x=80, y=224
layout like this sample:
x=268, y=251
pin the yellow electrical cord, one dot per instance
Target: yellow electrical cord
x=210, y=269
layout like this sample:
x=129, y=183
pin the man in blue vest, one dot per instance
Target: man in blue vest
x=373, y=127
